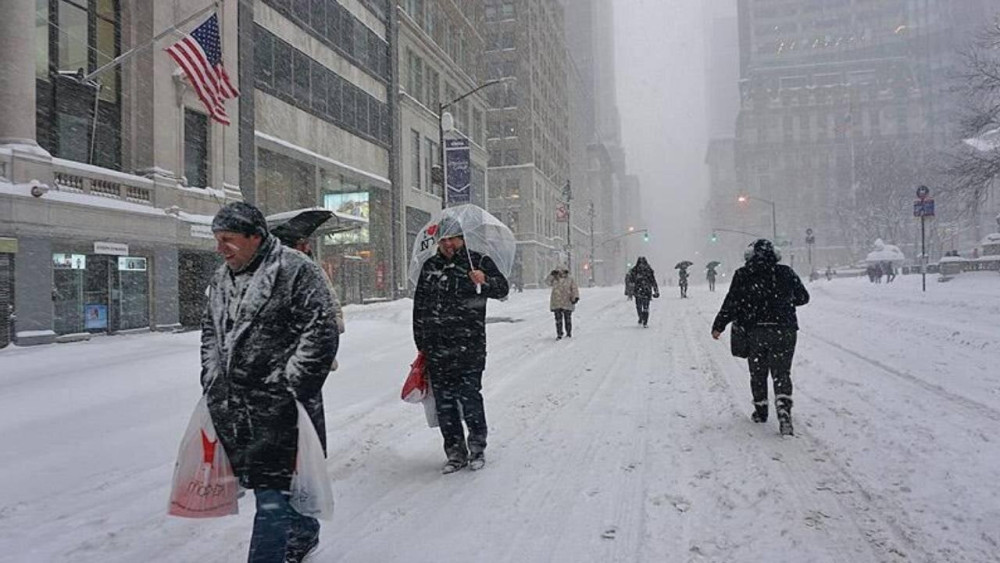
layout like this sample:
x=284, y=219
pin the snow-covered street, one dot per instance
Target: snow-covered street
x=620, y=444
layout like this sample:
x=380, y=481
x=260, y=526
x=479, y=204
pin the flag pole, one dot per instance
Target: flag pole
x=136, y=50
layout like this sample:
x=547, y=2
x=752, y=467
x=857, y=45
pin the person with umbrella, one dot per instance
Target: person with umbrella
x=682, y=275
x=640, y=284
x=295, y=233
x=711, y=274
x=453, y=283
x=761, y=301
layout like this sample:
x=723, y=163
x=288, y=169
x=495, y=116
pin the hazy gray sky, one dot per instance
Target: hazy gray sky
x=661, y=96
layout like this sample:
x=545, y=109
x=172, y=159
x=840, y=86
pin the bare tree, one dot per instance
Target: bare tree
x=974, y=165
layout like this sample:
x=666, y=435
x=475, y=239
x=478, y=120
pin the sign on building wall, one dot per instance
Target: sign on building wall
x=459, y=170
x=112, y=248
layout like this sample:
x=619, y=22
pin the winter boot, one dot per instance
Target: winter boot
x=759, y=412
x=477, y=461
x=783, y=406
x=454, y=465
x=299, y=554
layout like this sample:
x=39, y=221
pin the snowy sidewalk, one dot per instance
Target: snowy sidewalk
x=620, y=444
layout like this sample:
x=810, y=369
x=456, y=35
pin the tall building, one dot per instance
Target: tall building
x=841, y=103
x=109, y=181
x=607, y=201
x=97, y=169
x=322, y=129
x=440, y=53
x=527, y=128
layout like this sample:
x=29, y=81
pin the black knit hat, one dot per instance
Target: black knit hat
x=240, y=217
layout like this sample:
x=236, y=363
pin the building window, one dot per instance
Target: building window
x=511, y=157
x=77, y=37
x=415, y=178
x=196, y=148
x=433, y=99
x=430, y=158
x=477, y=127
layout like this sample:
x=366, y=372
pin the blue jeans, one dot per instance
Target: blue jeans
x=278, y=528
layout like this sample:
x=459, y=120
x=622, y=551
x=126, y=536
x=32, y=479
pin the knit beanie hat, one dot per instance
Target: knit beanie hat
x=240, y=217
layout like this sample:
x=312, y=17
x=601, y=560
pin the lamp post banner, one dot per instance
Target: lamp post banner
x=459, y=171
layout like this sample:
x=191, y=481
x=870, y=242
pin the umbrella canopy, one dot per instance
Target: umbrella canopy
x=483, y=233
x=683, y=264
x=292, y=226
x=712, y=265
x=885, y=253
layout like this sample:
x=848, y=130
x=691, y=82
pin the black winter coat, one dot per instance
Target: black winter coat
x=281, y=345
x=449, y=317
x=762, y=293
x=642, y=282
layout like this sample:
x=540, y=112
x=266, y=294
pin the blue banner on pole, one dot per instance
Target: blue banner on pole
x=459, y=170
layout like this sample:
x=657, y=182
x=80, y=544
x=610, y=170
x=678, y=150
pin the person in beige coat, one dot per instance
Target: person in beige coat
x=565, y=294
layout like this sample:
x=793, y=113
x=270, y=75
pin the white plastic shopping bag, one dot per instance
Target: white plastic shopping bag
x=430, y=410
x=204, y=485
x=312, y=490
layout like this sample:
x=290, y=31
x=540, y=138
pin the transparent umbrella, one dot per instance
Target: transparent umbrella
x=483, y=233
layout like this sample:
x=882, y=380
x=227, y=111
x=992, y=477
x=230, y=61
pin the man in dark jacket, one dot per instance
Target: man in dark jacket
x=449, y=328
x=762, y=299
x=640, y=283
x=267, y=341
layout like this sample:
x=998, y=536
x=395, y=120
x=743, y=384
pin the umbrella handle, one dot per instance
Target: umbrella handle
x=479, y=289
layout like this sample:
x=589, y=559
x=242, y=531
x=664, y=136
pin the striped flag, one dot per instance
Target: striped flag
x=199, y=55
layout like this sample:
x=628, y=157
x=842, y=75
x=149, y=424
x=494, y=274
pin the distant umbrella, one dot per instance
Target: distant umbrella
x=299, y=226
x=713, y=265
x=683, y=264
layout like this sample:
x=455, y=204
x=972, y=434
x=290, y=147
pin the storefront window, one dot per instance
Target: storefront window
x=99, y=293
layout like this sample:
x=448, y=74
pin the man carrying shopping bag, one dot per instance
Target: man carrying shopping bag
x=267, y=341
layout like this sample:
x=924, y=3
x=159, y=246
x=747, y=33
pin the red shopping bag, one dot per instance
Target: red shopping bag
x=415, y=386
x=204, y=484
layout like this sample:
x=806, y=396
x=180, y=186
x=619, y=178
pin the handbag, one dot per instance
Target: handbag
x=739, y=341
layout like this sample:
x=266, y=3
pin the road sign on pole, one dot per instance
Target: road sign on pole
x=923, y=208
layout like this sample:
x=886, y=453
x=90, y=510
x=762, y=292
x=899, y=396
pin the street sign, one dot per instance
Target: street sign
x=809, y=232
x=923, y=207
x=923, y=192
x=810, y=239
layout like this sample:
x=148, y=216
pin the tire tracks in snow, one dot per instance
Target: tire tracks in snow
x=853, y=512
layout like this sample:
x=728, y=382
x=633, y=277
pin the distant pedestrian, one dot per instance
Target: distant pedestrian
x=449, y=328
x=762, y=299
x=268, y=340
x=829, y=273
x=683, y=275
x=562, y=302
x=878, y=272
x=710, y=275
x=890, y=272
x=640, y=283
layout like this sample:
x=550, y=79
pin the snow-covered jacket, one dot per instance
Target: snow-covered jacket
x=565, y=293
x=642, y=281
x=277, y=348
x=449, y=317
x=762, y=293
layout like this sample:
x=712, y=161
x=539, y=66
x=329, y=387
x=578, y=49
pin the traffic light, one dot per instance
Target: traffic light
x=714, y=237
x=645, y=237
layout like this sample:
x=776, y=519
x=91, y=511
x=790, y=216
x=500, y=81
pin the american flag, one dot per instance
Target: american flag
x=199, y=55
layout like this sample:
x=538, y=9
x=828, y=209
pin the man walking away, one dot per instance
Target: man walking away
x=267, y=341
x=565, y=295
x=642, y=282
x=711, y=279
x=683, y=274
x=762, y=299
x=449, y=328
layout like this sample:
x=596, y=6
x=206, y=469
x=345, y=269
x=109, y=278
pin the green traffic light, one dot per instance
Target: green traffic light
x=645, y=237
x=715, y=237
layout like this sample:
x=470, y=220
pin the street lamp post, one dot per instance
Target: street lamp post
x=441, y=152
x=568, y=196
x=774, y=214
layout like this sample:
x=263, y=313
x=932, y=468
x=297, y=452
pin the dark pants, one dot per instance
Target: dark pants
x=564, y=316
x=642, y=308
x=711, y=284
x=771, y=352
x=684, y=289
x=457, y=396
x=278, y=529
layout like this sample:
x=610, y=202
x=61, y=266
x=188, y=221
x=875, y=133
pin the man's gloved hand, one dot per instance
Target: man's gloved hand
x=576, y=300
x=656, y=295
